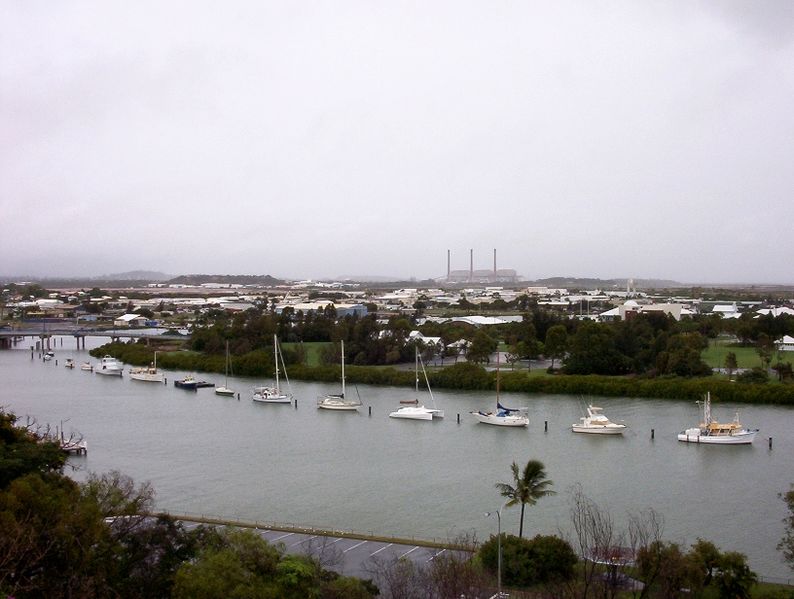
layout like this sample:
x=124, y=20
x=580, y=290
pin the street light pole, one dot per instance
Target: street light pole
x=498, y=547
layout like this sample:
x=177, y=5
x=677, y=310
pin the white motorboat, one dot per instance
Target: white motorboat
x=716, y=433
x=417, y=412
x=149, y=374
x=503, y=416
x=48, y=356
x=69, y=363
x=224, y=390
x=274, y=394
x=595, y=422
x=87, y=366
x=338, y=401
x=109, y=366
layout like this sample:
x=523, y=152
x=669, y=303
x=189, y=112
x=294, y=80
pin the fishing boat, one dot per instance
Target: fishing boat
x=187, y=382
x=225, y=389
x=69, y=363
x=149, y=374
x=417, y=412
x=503, y=416
x=596, y=423
x=274, y=394
x=338, y=401
x=109, y=366
x=717, y=433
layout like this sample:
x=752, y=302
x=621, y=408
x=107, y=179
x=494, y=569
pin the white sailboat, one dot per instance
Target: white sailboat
x=274, y=394
x=149, y=374
x=711, y=431
x=503, y=416
x=225, y=389
x=417, y=412
x=338, y=401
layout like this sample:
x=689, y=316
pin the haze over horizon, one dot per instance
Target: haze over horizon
x=643, y=140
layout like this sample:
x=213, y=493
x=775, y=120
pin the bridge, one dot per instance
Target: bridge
x=10, y=336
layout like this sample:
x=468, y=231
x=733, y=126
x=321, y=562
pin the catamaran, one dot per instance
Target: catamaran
x=274, y=394
x=417, y=412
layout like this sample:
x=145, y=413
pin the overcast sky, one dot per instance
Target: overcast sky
x=315, y=139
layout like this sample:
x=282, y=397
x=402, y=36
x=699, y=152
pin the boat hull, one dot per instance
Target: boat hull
x=339, y=406
x=283, y=399
x=109, y=371
x=270, y=395
x=417, y=413
x=741, y=438
x=224, y=391
x=149, y=377
x=598, y=430
x=495, y=420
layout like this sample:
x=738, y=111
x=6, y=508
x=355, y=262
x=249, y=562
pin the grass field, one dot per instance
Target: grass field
x=715, y=354
x=312, y=351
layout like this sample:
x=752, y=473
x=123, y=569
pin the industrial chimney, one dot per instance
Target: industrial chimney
x=447, y=265
x=471, y=265
x=494, y=262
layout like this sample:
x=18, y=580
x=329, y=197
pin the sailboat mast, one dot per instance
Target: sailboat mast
x=497, y=375
x=416, y=368
x=226, y=384
x=275, y=360
x=343, y=368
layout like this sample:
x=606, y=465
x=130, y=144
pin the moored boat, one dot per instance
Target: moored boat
x=503, y=416
x=69, y=363
x=596, y=423
x=187, y=382
x=417, y=412
x=718, y=433
x=149, y=374
x=338, y=401
x=87, y=366
x=224, y=390
x=109, y=366
x=274, y=394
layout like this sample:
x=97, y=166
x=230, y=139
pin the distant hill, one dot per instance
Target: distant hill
x=136, y=275
x=263, y=280
x=585, y=283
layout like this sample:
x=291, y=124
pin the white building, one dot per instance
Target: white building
x=785, y=344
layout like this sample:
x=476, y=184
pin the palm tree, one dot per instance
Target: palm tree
x=529, y=485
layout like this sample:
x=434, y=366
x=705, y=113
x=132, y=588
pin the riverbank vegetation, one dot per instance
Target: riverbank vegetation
x=97, y=539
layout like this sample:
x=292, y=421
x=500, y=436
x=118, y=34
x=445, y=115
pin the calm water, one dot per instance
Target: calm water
x=219, y=456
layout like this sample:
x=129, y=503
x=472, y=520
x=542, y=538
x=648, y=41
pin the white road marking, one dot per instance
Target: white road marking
x=381, y=549
x=354, y=546
x=409, y=551
x=289, y=534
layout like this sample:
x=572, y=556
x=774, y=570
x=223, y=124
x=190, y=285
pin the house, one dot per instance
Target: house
x=785, y=344
x=130, y=321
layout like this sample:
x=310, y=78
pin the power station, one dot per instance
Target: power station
x=489, y=276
